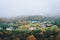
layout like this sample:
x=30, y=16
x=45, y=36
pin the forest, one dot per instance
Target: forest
x=30, y=28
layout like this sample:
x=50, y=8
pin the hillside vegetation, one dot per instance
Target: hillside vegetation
x=30, y=28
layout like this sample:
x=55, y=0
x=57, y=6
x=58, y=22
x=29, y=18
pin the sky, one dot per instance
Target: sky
x=10, y=8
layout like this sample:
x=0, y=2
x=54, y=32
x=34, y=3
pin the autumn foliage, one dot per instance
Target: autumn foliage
x=42, y=34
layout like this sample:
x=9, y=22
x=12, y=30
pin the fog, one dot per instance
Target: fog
x=10, y=8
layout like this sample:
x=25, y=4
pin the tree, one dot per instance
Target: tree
x=58, y=22
x=4, y=26
x=14, y=26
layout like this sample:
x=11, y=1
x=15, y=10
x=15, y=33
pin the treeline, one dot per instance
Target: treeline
x=26, y=19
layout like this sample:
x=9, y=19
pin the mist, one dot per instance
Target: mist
x=10, y=8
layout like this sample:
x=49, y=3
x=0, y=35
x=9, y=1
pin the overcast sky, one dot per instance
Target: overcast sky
x=9, y=8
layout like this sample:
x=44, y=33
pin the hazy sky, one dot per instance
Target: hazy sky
x=9, y=8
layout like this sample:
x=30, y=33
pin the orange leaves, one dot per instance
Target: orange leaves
x=31, y=37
